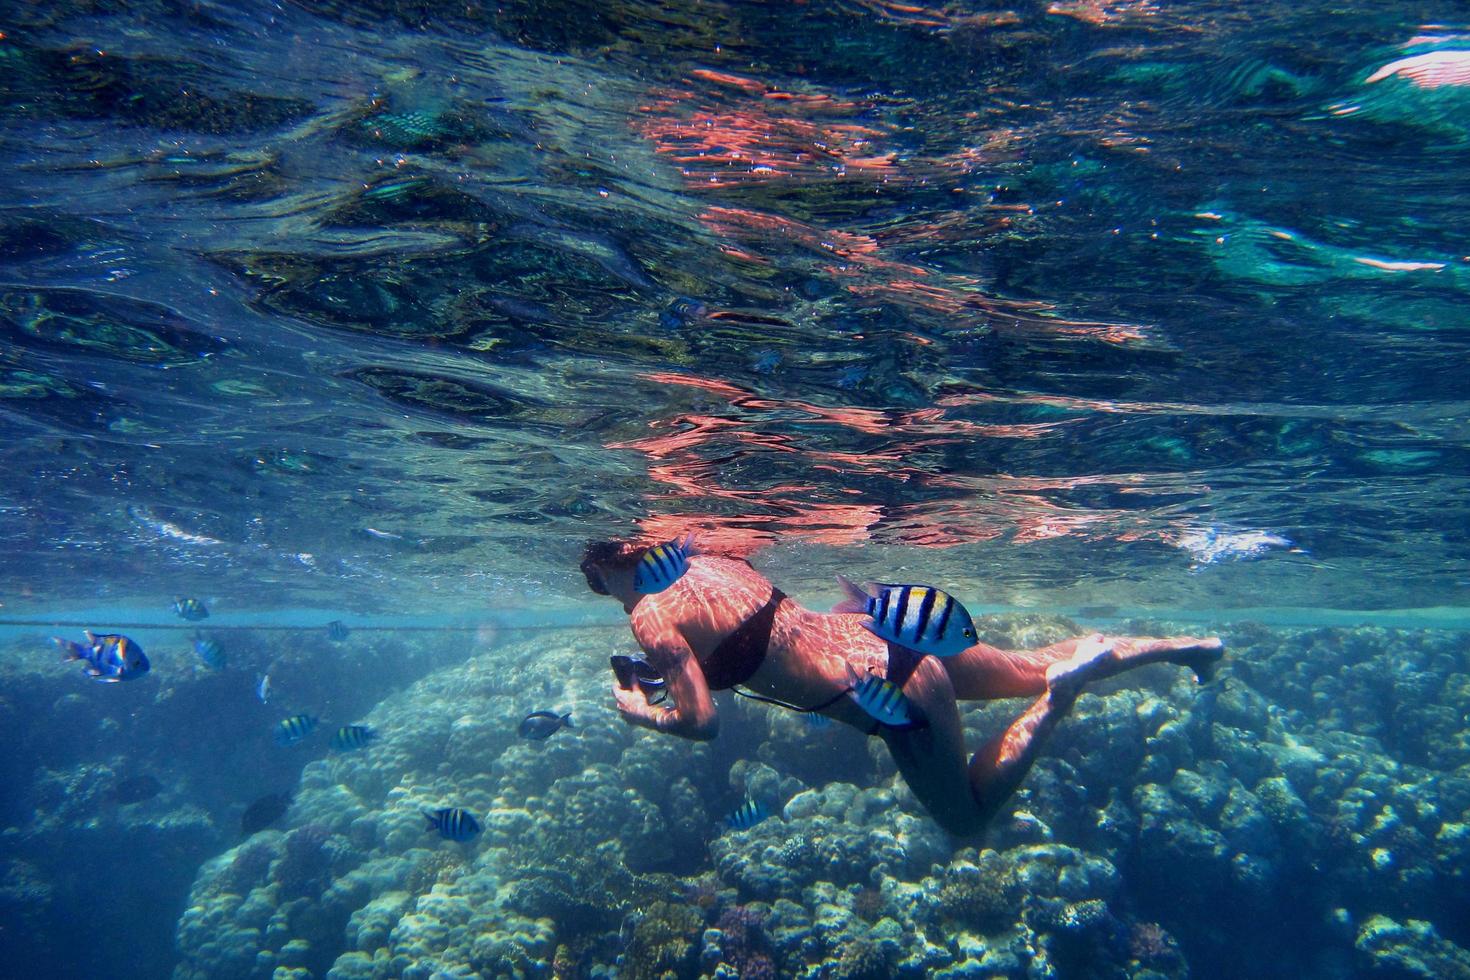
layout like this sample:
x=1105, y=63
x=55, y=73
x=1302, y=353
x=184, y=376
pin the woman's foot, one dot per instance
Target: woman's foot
x=1098, y=656
x=1200, y=655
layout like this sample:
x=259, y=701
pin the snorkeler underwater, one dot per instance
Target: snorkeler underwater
x=707, y=490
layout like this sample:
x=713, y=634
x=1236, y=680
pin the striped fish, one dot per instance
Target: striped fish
x=918, y=617
x=350, y=737
x=106, y=657
x=292, y=730
x=453, y=823
x=882, y=699
x=191, y=609
x=210, y=652
x=747, y=815
x=663, y=565
x=337, y=631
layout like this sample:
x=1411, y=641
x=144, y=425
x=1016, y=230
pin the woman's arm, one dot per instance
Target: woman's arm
x=694, y=714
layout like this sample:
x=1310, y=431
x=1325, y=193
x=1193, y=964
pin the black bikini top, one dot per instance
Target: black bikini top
x=739, y=655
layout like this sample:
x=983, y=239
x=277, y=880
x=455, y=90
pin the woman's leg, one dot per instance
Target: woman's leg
x=931, y=756
x=1000, y=765
x=963, y=798
x=984, y=672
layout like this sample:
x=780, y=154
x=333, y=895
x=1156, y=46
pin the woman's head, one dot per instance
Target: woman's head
x=603, y=558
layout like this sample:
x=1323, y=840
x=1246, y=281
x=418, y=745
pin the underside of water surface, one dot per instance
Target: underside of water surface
x=375, y=306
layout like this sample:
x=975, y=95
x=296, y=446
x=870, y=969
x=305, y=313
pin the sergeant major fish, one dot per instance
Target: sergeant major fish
x=106, y=657
x=663, y=565
x=209, y=652
x=918, y=617
x=292, y=730
x=746, y=815
x=453, y=823
x=883, y=700
x=350, y=737
x=190, y=609
x=541, y=725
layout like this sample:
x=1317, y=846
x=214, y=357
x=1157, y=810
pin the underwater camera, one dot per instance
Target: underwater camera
x=632, y=670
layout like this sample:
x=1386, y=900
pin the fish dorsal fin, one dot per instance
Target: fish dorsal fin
x=856, y=597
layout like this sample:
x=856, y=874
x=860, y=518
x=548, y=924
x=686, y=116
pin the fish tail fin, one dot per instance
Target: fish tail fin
x=857, y=597
x=433, y=820
x=69, y=651
x=690, y=546
x=566, y=719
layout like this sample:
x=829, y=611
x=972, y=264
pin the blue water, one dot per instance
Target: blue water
x=1107, y=314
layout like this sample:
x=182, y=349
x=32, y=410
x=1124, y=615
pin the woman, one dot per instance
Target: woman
x=723, y=625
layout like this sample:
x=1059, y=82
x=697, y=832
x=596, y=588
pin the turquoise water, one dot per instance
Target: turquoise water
x=1109, y=314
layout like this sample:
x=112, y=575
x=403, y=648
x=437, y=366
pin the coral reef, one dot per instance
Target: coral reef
x=602, y=852
x=665, y=942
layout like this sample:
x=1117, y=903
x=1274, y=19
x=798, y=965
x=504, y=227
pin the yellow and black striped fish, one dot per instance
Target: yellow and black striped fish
x=453, y=823
x=918, y=617
x=882, y=699
x=292, y=730
x=190, y=609
x=747, y=815
x=663, y=565
x=350, y=737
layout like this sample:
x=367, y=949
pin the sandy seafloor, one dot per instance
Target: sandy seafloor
x=1306, y=815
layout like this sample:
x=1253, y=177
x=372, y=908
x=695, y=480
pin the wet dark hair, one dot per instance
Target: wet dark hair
x=607, y=554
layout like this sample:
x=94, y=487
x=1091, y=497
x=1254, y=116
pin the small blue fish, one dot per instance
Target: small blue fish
x=918, y=617
x=263, y=689
x=337, y=631
x=746, y=815
x=882, y=699
x=190, y=609
x=540, y=725
x=817, y=721
x=453, y=823
x=210, y=652
x=106, y=657
x=294, y=729
x=663, y=565
x=350, y=737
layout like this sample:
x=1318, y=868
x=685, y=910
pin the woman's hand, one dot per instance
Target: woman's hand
x=633, y=705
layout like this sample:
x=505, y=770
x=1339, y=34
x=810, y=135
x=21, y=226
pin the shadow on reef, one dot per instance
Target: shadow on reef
x=126, y=788
x=1170, y=831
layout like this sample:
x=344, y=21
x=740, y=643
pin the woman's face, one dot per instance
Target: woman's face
x=596, y=577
